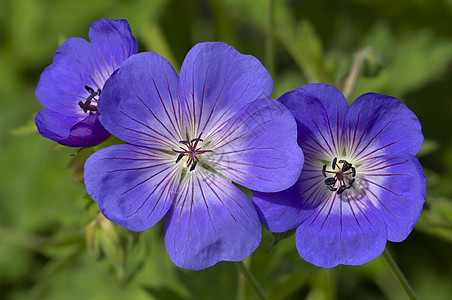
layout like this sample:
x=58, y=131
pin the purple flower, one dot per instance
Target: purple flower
x=361, y=183
x=190, y=136
x=71, y=86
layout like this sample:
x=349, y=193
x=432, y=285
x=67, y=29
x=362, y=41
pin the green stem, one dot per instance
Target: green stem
x=269, y=59
x=399, y=275
x=251, y=280
x=350, y=82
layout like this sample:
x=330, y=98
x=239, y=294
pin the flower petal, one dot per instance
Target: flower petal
x=282, y=211
x=377, y=124
x=69, y=131
x=133, y=186
x=112, y=42
x=77, y=64
x=396, y=185
x=62, y=84
x=210, y=221
x=318, y=109
x=279, y=212
x=257, y=148
x=345, y=229
x=139, y=102
x=216, y=81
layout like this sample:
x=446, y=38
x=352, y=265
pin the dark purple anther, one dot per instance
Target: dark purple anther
x=333, y=165
x=341, y=189
x=330, y=181
x=179, y=157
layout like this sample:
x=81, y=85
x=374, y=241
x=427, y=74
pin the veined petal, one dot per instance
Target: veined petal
x=257, y=148
x=216, y=81
x=133, y=186
x=61, y=85
x=378, y=124
x=282, y=211
x=112, y=42
x=210, y=221
x=139, y=103
x=71, y=131
x=396, y=186
x=343, y=230
x=319, y=110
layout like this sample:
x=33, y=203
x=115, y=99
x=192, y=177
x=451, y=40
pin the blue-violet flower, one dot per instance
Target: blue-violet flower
x=71, y=86
x=361, y=184
x=189, y=137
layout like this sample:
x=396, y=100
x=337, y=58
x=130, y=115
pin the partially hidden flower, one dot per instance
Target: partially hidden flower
x=189, y=137
x=71, y=86
x=361, y=184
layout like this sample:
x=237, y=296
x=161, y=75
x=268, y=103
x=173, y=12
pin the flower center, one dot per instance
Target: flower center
x=90, y=103
x=191, y=150
x=340, y=177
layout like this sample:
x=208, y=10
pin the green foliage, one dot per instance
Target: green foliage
x=55, y=245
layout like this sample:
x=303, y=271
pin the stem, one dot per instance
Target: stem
x=251, y=280
x=269, y=58
x=350, y=82
x=399, y=275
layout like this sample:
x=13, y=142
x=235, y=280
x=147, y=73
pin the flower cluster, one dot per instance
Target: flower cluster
x=345, y=177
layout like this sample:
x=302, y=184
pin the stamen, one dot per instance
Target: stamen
x=333, y=165
x=179, y=158
x=342, y=188
x=87, y=106
x=343, y=178
x=89, y=89
x=330, y=181
x=346, y=165
x=191, y=150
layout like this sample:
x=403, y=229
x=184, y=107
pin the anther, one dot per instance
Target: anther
x=346, y=166
x=323, y=169
x=341, y=189
x=179, y=158
x=193, y=166
x=330, y=181
x=333, y=165
x=82, y=106
x=89, y=89
x=353, y=172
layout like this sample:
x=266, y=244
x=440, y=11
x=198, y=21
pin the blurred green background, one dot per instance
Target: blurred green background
x=53, y=245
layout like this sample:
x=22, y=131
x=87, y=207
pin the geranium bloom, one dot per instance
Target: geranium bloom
x=189, y=138
x=361, y=183
x=71, y=86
